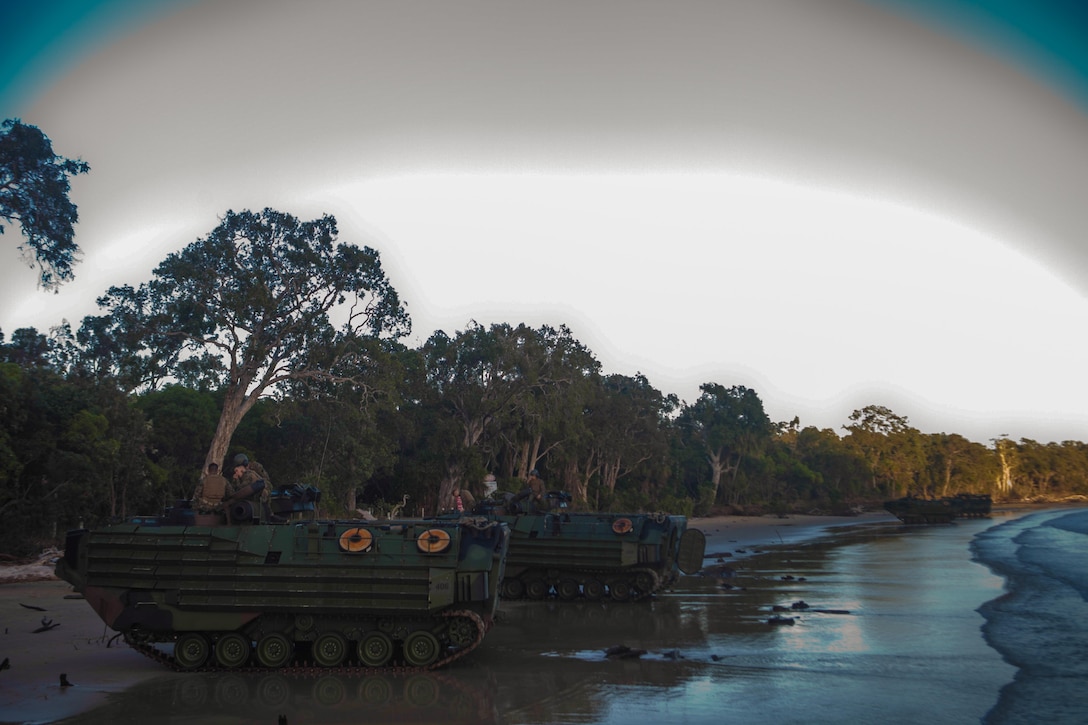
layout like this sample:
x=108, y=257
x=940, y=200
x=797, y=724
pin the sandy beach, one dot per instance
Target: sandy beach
x=739, y=537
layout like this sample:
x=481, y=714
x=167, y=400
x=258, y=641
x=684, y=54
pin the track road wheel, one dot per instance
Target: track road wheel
x=567, y=589
x=646, y=581
x=274, y=650
x=421, y=648
x=512, y=589
x=191, y=650
x=621, y=591
x=537, y=589
x=232, y=650
x=329, y=649
x=593, y=589
x=375, y=649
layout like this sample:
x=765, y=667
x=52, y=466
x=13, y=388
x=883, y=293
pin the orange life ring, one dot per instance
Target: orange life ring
x=355, y=540
x=622, y=526
x=433, y=541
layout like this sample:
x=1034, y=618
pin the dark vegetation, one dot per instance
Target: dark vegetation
x=34, y=190
x=271, y=338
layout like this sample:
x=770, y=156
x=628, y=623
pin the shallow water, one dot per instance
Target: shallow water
x=898, y=641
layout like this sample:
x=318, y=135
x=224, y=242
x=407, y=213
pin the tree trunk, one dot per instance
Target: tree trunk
x=446, y=487
x=521, y=461
x=610, y=473
x=717, y=468
x=534, y=454
x=235, y=406
x=575, y=484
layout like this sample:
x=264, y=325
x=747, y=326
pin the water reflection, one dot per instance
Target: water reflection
x=265, y=698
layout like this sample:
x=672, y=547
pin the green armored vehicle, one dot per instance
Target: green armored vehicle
x=912, y=510
x=972, y=506
x=409, y=594
x=915, y=510
x=595, y=556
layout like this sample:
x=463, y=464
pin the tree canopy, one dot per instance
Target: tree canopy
x=262, y=302
x=34, y=189
x=725, y=425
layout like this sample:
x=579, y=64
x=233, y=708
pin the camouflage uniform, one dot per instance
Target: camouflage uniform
x=538, y=500
x=254, y=472
x=211, y=491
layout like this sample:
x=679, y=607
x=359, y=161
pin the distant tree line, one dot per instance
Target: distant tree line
x=270, y=337
x=76, y=447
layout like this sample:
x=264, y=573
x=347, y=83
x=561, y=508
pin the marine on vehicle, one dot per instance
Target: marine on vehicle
x=620, y=557
x=292, y=592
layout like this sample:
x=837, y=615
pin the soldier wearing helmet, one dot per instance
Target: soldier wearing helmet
x=247, y=472
x=537, y=493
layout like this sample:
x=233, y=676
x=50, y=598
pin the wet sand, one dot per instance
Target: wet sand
x=890, y=619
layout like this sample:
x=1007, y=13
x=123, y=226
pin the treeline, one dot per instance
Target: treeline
x=77, y=446
x=270, y=337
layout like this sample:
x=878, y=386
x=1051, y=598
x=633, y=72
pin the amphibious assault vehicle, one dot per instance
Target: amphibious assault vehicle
x=914, y=510
x=615, y=556
x=294, y=592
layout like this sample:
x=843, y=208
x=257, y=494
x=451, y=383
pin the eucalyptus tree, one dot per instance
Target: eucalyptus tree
x=949, y=458
x=485, y=377
x=1007, y=456
x=349, y=434
x=34, y=189
x=28, y=348
x=263, y=301
x=840, y=471
x=1047, y=471
x=552, y=415
x=724, y=425
x=1071, y=467
x=891, y=447
x=626, y=422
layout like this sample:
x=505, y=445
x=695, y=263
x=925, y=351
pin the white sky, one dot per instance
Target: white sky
x=822, y=201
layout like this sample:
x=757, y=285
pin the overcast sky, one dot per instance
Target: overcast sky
x=836, y=203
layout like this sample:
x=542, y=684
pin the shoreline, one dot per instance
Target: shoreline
x=738, y=538
x=81, y=648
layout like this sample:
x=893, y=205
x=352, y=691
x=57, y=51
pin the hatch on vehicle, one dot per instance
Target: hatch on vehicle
x=692, y=549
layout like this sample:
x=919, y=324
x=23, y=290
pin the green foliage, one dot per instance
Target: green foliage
x=492, y=396
x=676, y=506
x=181, y=422
x=34, y=190
x=76, y=450
x=70, y=451
x=890, y=447
x=725, y=426
x=250, y=310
